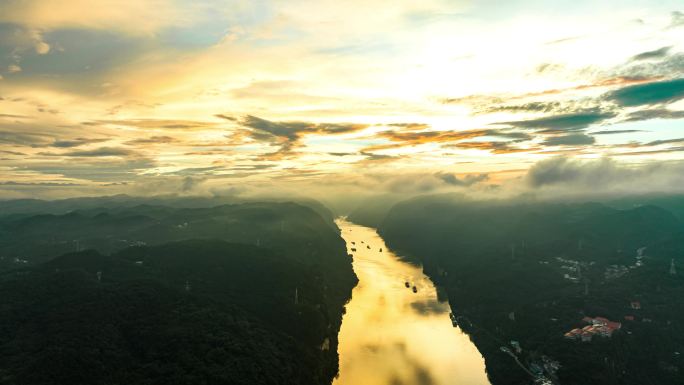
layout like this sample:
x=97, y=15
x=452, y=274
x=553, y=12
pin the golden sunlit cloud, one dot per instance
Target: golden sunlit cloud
x=256, y=90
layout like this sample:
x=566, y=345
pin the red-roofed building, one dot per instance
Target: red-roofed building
x=604, y=331
x=597, y=326
x=586, y=336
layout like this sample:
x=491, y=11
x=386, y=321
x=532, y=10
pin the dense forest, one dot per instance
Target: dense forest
x=122, y=290
x=529, y=272
x=130, y=293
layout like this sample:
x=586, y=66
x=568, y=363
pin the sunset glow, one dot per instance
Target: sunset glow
x=105, y=97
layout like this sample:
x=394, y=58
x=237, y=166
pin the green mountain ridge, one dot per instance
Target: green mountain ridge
x=510, y=271
x=250, y=293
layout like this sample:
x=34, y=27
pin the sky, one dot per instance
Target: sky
x=103, y=97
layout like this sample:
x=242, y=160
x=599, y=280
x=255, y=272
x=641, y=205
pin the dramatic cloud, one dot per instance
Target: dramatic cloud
x=174, y=124
x=13, y=116
x=190, y=183
x=570, y=140
x=622, y=77
x=402, y=139
x=564, y=170
x=605, y=175
x=614, y=132
x=76, y=142
x=6, y=152
x=526, y=107
x=41, y=184
x=667, y=91
x=371, y=157
x=410, y=126
x=658, y=113
x=153, y=15
x=289, y=133
x=153, y=140
x=18, y=42
x=677, y=19
x=468, y=180
x=420, y=137
x=22, y=138
x=293, y=130
x=665, y=141
x=649, y=71
x=114, y=169
x=101, y=152
x=652, y=152
x=290, y=95
x=564, y=122
x=655, y=54
x=495, y=147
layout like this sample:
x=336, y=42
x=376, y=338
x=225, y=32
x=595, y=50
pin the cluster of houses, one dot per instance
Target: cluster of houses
x=573, y=267
x=617, y=271
x=597, y=326
x=575, y=272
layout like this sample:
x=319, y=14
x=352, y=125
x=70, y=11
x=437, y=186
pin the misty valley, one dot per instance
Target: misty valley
x=126, y=290
x=359, y=192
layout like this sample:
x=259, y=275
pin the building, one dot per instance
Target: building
x=586, y=336
x=603, y=331
x=573, y=334
x=597, y=326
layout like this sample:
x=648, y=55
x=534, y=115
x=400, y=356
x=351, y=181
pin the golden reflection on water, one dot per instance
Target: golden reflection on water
x=393, y=336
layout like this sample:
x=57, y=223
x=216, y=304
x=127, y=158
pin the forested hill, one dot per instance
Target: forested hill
x=24, y=207
x=248, y=294
x=448, y=225
x=39, y=237
x=529, y=272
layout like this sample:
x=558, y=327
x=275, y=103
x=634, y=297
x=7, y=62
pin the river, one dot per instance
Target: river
x=393, y=336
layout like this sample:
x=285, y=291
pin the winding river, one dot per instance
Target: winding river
x=392, y=335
